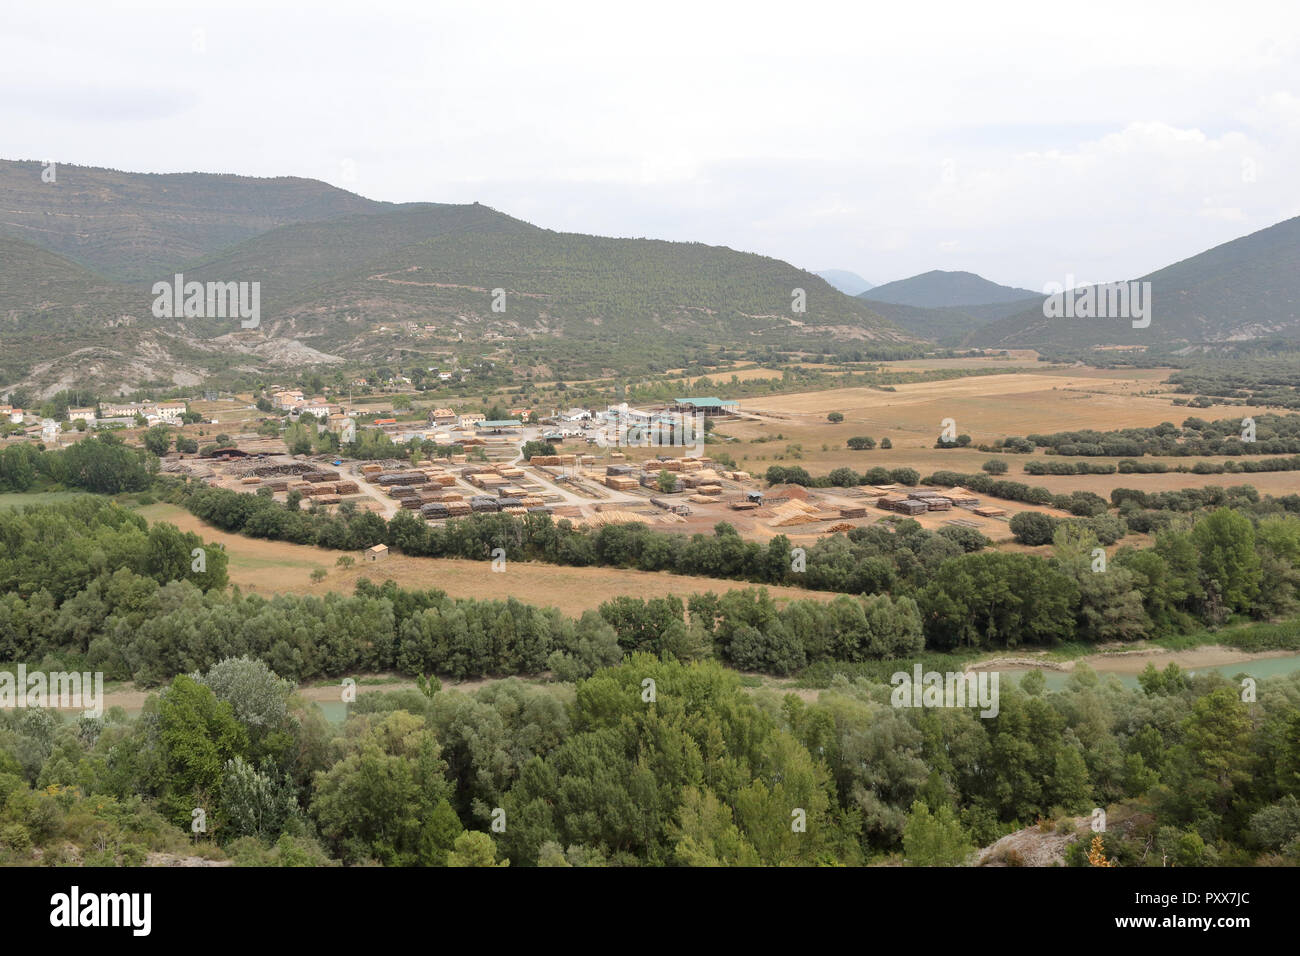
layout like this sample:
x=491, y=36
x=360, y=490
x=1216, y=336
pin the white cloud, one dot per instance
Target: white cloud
x=889, y=141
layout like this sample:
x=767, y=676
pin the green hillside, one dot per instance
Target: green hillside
x=380, y=283
x=344, y=288
x=51, y=307
x=947, y=326
x=1243, y=290
x=937, y=290
x=135, y=225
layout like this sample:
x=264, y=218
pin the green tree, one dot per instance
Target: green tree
x=474, y=848
x=158, y=439
x=1225, y=541
x=935, y=839
x=198, y=735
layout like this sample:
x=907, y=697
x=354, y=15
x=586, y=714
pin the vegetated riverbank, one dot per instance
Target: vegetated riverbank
x=1121, y=660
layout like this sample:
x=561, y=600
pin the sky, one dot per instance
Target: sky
x=1031, y=143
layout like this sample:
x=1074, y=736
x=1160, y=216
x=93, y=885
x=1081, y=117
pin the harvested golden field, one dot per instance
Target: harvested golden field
x=986, y=407
x=1276, y=483
x=278, y=567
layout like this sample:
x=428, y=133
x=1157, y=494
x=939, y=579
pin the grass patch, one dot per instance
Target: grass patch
x=21, y=499
x=1248, y=636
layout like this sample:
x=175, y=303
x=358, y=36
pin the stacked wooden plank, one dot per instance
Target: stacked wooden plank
x=961, y=497
x=602, y=518
x=400, y=478
x=902, y=504
x=791, y=513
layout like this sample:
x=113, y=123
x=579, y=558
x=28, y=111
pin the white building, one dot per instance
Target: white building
x=168, y=411
x=81, y=414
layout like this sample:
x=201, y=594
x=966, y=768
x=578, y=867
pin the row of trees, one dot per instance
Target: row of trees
x=89, y=579
x=1273, y=435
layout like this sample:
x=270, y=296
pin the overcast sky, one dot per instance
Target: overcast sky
x=887, y=139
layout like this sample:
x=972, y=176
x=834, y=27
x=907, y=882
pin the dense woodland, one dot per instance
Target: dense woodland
x=586, y=770
x=703, y=774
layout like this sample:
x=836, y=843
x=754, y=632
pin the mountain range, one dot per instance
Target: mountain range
x=343, y=278
x=348, y=280
x=1242, y=290
x=946, y=306
x=850, y=283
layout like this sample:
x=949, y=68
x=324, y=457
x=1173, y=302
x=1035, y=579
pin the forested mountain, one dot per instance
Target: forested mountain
x=51, y=307
x=616, y=291
x=947, y=326
x=133, y=225
x=342, y=277
x=937, y=289
x=1245, y=289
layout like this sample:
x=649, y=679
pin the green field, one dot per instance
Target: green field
x=22, y=499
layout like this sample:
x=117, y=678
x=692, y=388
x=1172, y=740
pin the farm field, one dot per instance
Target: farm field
x=985, y=407
x=279, y=567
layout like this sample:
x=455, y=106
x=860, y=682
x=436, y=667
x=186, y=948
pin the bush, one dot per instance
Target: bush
x=995, y=466
x=968, y=539
x=1033, y=527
